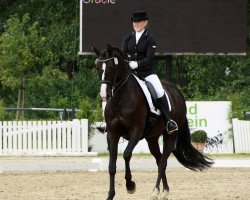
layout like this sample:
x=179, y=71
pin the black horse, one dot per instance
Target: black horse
x=126, y=115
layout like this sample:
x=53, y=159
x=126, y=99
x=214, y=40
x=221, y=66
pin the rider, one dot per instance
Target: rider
x=139, y=48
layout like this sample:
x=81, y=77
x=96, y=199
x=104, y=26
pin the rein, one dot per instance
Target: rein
x=118, y=85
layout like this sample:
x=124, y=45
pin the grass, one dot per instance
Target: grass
x=238, y=155
x=120, y=155
x=214, y=156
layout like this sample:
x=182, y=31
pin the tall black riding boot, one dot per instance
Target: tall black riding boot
x=171, y=125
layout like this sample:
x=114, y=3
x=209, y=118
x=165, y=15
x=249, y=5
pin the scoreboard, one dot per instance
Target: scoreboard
x=178, y=26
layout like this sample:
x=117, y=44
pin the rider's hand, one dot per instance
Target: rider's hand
x=133, y=64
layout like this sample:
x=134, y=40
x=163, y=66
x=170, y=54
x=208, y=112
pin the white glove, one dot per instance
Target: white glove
x=133, y=64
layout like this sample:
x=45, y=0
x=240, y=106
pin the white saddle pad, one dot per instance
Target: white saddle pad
x=149, y=98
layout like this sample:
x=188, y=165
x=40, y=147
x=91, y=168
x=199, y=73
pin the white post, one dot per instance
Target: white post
x=29, y=127
x=69, y=136
x=59, y=137
x=1, y=134
x=39, y=135
x=78, y=137
x=54, y=140
x=64, y=137
x=15, y=134
x=49, y=135
x=5, y=137
x=10, y=136
x=74, y=134
x=34, y=136
x=44, y=136
x=24, y=133
x=20, y=136
x=84, y=133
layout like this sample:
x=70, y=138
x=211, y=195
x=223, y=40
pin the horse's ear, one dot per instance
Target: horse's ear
x=117, y=52
x=110, y=49
x=97, y=52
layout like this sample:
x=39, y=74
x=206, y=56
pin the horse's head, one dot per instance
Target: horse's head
x=107, y=64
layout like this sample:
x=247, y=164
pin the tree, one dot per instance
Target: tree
x=1, y=108
x=22, y=53
x=91, y=109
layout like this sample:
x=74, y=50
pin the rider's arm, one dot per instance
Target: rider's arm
x=148, y=60
x=124, y=47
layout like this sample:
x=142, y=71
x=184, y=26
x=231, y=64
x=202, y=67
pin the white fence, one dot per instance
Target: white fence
x=51, y=138
x=69, y=138
x=241, y=131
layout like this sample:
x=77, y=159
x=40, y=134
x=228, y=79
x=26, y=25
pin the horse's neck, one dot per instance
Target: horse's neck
x=123, y=70
x=128, y=93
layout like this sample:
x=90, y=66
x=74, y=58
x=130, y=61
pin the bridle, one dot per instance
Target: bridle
x=104, y=63
x=115, y=85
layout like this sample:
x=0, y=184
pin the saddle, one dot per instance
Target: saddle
x=154, y=114
x=152, y=92
x=149, y=93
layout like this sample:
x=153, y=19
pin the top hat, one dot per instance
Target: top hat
x=139, y=16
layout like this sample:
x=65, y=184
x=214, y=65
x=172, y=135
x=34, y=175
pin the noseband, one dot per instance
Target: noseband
x=115, y=86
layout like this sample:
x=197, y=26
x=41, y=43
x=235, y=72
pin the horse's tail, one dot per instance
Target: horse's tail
x=187, y=155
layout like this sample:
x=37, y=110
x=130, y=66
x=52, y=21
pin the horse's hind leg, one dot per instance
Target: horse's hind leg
x=154, y=148
x=130, y=185
x=168, y=146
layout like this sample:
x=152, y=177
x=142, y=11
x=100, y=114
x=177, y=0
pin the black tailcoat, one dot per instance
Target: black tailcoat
x=143, y=52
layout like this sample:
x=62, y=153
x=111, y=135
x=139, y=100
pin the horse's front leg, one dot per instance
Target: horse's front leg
x=112, y=146
x=130, y=185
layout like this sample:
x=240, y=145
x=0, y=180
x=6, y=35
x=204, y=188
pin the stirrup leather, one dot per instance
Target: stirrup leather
x=171, y=131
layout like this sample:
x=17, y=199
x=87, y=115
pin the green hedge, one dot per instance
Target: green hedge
x=199, y=136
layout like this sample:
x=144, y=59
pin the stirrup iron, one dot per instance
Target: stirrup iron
x=171, y=131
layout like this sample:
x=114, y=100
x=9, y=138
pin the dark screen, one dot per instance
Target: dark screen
x=179, y=26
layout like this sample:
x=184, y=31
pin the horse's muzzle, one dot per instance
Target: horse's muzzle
x=103, y=92
x=104, y=98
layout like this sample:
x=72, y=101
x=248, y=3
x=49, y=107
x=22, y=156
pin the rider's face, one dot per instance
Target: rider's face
x=139, y=26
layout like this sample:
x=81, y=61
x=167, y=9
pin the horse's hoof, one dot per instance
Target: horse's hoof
x=163, y=198
x=164, y=195
x=155, y=194
x=131, y=188
x=111, y=197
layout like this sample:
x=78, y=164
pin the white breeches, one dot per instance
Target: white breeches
x=155, y=81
